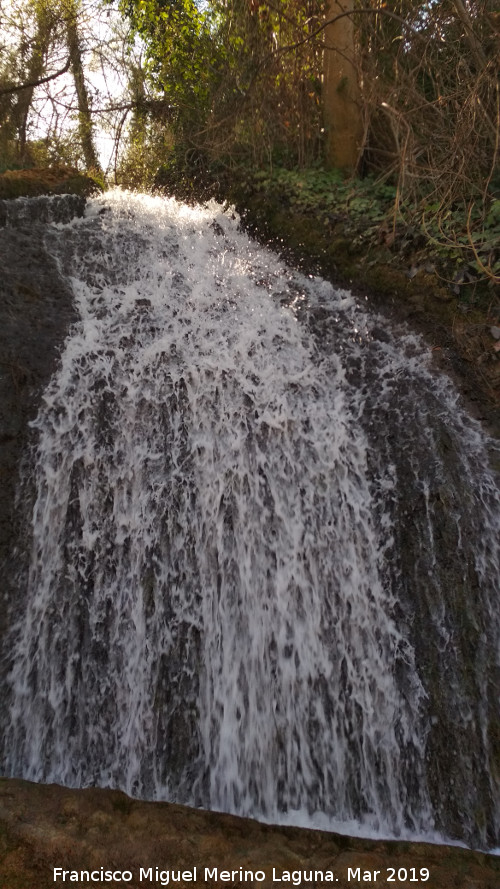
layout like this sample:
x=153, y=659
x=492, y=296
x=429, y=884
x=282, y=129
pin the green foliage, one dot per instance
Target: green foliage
x=149, y=141
x=232, y=96
x=326, y=194
x=180, y=54
x=492, y=221
x=49, y=152
x=462, y=242
x=469, y=236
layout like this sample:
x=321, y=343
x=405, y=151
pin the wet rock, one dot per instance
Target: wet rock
x=36, y=309
x=378, y=333
x=25, y=211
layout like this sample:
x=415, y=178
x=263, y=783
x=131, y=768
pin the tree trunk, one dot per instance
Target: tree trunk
x=341, y=93
x=36, y=69
x=85, y=119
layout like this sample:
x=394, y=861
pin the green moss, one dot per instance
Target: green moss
x=53, y=180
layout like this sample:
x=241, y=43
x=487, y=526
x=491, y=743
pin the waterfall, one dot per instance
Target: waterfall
x=262, y=567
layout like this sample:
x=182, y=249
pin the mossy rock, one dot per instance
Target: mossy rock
x=49, y=180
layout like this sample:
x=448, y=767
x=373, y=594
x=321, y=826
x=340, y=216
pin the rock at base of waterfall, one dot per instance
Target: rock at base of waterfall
x=46, y=827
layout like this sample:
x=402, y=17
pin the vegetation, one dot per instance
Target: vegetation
x=64, y=66
x=405, y=93
x=460, y=245
x=400, y=99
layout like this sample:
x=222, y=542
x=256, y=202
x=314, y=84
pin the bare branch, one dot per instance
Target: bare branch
x=6, y=91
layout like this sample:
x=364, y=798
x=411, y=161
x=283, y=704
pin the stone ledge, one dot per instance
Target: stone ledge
x=50, y=180
x=42, y=827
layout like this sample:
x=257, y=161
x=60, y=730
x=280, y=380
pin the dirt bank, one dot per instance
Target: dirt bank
x=42, y=828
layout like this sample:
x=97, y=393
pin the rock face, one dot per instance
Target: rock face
x=47, y=827
x=36, y=310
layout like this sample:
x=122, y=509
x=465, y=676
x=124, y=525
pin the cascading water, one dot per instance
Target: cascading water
x=264, y=566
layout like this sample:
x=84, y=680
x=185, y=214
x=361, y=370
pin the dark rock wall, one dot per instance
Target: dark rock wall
x=36, y=309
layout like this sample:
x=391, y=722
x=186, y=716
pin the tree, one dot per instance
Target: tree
x=342, y=105
x=39, y=46
x=27, y=31
x=40, y=42
x=85, y=125
x=242, y=79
